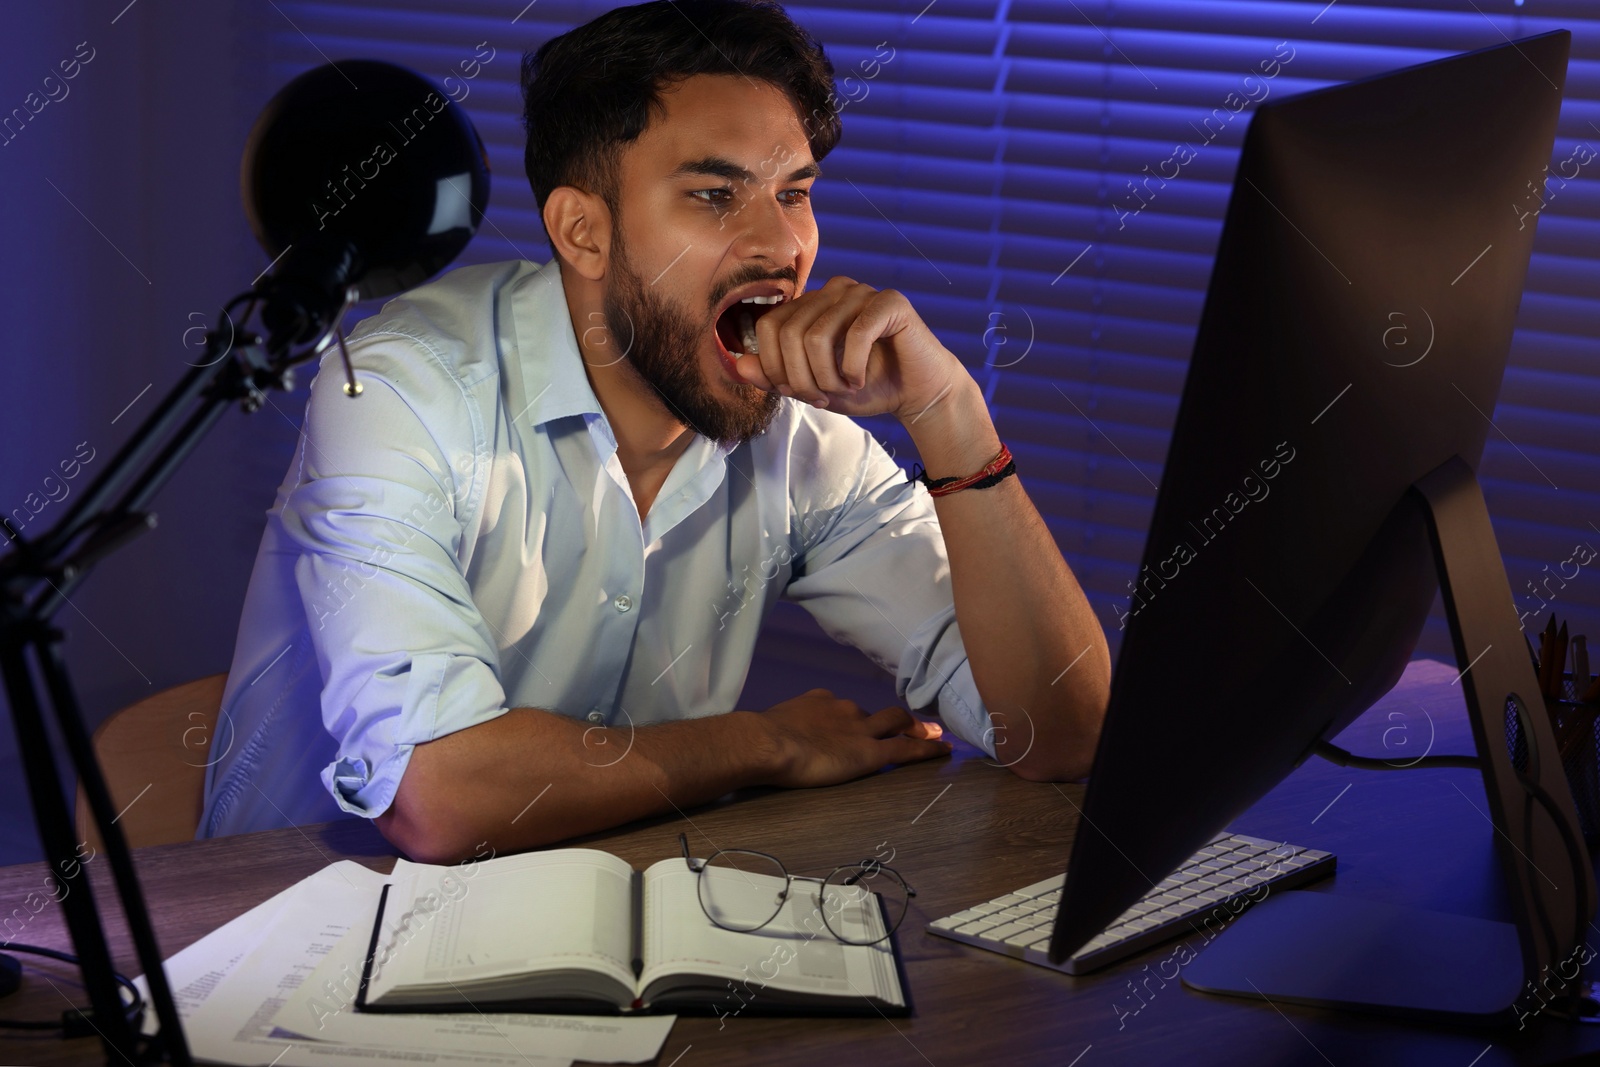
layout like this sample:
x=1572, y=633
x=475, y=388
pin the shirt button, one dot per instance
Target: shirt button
x=623, y=602
x=595, y=716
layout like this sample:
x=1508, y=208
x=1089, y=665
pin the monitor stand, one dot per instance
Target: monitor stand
x=1334, y=951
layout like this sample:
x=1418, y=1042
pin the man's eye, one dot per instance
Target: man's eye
x=716, y=197
x=800, y=195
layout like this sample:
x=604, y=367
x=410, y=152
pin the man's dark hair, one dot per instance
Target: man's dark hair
x=590, y=91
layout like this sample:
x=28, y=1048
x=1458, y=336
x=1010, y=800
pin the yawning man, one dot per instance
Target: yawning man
x=510, y=594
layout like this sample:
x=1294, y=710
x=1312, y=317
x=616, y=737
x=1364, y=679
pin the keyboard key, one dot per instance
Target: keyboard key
x=1246, y=839
x=1000, y=933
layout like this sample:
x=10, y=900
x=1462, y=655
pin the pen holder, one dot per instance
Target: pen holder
x=1576, y=725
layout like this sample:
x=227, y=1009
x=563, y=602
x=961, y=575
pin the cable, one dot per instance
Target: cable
x=74, y=1022
x=1576, y=852
x=1335, y=754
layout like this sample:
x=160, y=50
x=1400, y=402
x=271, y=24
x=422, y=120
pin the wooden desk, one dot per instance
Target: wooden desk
x=964, y=830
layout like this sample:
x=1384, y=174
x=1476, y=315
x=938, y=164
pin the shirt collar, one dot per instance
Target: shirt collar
x=547, y=349
x=552, y=366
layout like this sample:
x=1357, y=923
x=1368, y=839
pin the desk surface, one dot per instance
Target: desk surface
x=964, y=830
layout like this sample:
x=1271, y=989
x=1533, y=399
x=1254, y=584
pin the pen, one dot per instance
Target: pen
x=1580, y=664
x=1592, y=693
x=1560, y=667
x=1547, y=641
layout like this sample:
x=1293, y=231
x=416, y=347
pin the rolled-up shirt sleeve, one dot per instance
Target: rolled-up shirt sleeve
x=872, y=570
x=405, y=655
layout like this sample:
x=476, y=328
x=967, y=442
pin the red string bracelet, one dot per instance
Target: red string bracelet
x=1001, y=467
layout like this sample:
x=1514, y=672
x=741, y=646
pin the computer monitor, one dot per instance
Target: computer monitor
x=1321, y=477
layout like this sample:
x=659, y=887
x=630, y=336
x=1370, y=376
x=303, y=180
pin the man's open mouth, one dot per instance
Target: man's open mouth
x=736, y=326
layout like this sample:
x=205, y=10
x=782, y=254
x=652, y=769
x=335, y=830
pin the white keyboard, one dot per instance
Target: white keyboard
x=1019, y=924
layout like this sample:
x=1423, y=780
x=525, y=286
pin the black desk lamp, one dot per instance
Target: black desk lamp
x=360, y=180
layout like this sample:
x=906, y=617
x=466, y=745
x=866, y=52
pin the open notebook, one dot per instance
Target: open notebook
x=578, y=930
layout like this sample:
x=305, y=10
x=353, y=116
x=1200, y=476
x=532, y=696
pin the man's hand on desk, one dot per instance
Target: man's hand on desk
x=532, y=777
x=824, y=740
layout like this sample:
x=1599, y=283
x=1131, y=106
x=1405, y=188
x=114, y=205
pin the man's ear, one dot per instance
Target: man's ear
x=579, y=224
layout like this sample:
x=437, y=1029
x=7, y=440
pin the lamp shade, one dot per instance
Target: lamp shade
x=359, y=173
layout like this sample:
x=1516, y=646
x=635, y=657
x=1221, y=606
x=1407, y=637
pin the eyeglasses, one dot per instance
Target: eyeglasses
x=743, y=890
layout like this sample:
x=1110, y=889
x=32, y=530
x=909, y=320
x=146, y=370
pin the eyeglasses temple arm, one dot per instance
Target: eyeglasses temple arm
x=683, y=842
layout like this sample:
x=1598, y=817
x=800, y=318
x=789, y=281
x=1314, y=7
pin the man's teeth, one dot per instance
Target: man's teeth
x=747, y=327
x=747, y=324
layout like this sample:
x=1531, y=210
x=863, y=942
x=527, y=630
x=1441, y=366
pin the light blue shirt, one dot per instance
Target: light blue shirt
x=461, y=539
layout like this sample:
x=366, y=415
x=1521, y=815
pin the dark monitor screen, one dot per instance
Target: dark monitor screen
x=1354, y=337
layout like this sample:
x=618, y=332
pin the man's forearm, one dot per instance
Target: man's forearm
x=531, y=777
x=1038, y=654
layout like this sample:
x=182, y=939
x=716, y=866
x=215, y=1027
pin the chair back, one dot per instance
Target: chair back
x=153, y=755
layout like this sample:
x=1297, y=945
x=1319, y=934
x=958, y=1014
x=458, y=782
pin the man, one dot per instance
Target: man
x=523, y=574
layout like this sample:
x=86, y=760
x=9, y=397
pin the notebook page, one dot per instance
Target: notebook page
x=794, y=952
x=510, y=915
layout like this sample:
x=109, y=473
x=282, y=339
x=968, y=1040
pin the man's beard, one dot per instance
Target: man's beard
x=663, y=344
